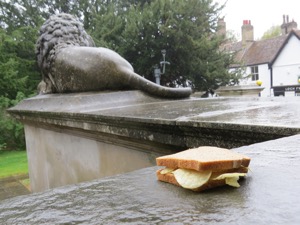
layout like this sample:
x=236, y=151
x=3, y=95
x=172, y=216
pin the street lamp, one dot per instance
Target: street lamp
x=157, y=71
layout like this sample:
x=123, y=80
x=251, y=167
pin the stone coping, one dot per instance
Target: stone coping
x=268, y=195
x=132, y=116
x=251, y=90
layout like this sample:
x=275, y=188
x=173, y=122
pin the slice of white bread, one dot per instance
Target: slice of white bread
x=205, y=158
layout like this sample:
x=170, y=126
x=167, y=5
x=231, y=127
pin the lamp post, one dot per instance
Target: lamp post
x=157, y=70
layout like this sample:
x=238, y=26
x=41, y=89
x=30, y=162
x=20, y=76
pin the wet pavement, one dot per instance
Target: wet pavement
x=13, y=186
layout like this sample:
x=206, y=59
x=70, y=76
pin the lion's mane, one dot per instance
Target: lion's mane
x=59, y=31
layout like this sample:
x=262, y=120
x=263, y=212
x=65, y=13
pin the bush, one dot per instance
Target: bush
x=19, y=77
x=12, y=132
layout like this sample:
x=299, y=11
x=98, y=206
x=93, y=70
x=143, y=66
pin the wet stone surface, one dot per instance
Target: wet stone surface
x=135, y=116
x=12, y=186
x=269, y=195
x=135, y=104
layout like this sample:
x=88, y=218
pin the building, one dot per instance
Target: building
x=275, y=61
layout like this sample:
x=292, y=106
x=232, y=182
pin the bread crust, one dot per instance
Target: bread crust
x=205, y=158
x=170, y=178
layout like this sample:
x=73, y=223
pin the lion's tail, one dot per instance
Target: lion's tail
x=138, y=82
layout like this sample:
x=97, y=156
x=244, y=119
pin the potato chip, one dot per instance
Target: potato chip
x=229, y=175
x=231, y=178
x=191, y=179
x=166, y=170
x=232, y=181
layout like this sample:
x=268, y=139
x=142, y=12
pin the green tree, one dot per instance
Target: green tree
x=20, y=13
x=186, y=29
x=18, y=79
x=12, y=133
x=274, y=31
x=15, y=14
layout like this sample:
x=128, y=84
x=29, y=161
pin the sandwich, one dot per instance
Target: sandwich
x=203, y=168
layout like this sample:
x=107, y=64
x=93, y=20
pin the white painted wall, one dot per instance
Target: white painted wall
x=264, y=76
x=286, y=68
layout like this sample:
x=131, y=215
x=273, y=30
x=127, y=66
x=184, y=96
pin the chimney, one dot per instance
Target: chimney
x=247, y=32
x=221, y=29
x=287, y=26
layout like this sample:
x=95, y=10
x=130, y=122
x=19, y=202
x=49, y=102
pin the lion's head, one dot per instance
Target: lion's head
x=59, y=31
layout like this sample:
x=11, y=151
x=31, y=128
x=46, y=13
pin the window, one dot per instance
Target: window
x=254, y=72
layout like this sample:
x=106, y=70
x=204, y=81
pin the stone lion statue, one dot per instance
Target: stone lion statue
x=70, y=62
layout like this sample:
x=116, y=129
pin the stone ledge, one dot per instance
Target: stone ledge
x=138, y=118
x=248, y=90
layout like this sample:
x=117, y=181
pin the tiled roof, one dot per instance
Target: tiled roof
x=297, y=32
x=259, y=52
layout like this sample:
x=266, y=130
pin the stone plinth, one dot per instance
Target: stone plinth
x=240, y=90
x=72, y=138
x=268, y=195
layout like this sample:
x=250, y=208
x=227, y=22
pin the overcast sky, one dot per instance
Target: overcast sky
x=263, y=14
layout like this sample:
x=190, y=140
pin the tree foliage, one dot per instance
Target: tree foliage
x=18, y=79
x=274, y=31
x=186, y=29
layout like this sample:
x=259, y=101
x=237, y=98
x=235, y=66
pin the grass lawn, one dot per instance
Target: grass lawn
x=13, y=163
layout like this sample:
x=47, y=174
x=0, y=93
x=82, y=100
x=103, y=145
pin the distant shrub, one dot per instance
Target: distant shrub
x=12, y=133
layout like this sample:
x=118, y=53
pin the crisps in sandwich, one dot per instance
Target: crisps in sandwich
x=203, y=168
